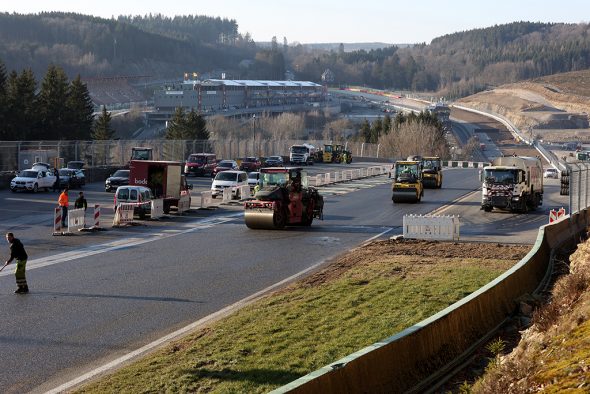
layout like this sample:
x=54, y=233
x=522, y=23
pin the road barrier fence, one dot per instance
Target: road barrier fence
x=157, y=208
x=123, y=215
x=184, y=203
x=206, y=199
x=431, y=227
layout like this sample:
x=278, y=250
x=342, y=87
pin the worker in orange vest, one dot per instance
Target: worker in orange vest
x=63, y=202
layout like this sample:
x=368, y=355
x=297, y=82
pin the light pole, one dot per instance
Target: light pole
x=254, y=134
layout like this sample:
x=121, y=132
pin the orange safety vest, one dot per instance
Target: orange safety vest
x=63, y=200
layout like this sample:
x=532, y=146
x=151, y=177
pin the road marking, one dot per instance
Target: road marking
x=187, y=329
x=444, y=208
x=54, y=202
x=123, y=243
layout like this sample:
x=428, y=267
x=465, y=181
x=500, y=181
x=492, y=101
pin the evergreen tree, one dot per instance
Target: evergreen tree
x=53, y=116
x=386, y=124
x=376, y=131
x=365, y=132
x=3, y=113
x=177, y=126
x=80, y=111
x=20, y=109
x=102, y=126
x=196, y=127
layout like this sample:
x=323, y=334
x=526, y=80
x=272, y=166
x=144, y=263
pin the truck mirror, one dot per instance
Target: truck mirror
x=480, y=175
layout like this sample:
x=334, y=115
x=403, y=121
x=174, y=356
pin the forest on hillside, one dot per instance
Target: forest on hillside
x=454, y=65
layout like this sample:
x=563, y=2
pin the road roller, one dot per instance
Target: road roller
x=432, y=176
x=407, y=181
x=283, y=199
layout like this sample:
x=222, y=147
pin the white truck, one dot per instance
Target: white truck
x=302, y=154
x=513, y=183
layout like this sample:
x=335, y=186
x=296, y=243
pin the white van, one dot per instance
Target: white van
x=140, y=195
x=224, y=179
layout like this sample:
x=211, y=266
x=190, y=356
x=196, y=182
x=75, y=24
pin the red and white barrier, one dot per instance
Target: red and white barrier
x=57, y=222
x=96, y=216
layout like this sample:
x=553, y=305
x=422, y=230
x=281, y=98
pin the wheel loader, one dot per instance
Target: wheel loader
x=407, y=181
x=284, y=199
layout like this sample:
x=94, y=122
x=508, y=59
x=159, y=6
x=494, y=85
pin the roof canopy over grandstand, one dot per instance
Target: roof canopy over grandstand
x=252, y=83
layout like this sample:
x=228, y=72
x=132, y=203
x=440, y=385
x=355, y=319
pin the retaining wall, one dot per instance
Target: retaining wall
x=398, y=363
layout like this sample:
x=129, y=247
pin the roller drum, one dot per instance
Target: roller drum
x=260, y=219
x=404, y=195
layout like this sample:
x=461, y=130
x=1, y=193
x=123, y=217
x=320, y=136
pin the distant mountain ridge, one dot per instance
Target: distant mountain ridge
x=348, y=47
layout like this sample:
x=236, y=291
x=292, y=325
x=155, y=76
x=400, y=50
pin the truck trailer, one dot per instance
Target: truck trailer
x=512, y=183
x=164, y=178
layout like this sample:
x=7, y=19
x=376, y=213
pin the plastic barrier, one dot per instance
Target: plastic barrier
x=76, y=219
x=227, y=194
x=206, y=199
x=157, y=209
x=184, y=204
x=123, y=215
x=432, y=227
x=96, y=217
x=244, y=192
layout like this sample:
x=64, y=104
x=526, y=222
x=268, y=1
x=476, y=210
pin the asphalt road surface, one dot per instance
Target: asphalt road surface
x=94, y=298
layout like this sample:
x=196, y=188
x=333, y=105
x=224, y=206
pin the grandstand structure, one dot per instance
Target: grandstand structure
x=212, y=96
x=115, y=92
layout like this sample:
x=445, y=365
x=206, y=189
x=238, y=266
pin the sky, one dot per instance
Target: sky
x=335, y=21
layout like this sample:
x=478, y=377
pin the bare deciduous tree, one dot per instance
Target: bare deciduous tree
x=414, y=138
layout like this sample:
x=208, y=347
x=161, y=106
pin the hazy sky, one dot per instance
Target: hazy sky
x=335, y=20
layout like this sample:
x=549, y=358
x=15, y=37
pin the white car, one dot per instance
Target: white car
x=225, y=179
x=253, y=178
x=551, y=173
x=32, y=180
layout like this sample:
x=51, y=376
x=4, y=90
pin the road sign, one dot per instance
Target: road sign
x=554, y=215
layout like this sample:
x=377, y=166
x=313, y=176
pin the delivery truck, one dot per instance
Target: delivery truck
x=164, y=178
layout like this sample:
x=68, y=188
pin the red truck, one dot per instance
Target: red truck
x=164, y=178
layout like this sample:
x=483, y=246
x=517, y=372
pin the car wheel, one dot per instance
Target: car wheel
x=13, y=190
x=141, y=214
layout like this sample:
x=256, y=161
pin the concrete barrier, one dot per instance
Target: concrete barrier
x=244, y=192
x=227, y=195
x=400, y=362
x=184, y=203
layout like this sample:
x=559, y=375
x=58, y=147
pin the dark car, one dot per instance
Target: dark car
x=71, y=178
x=119, y=178
x=250, y=164
x=76, y=165
x=274, y=161
x=225, y=165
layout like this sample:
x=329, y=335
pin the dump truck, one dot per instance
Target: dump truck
x=432, y=176
x=407, y=181
x=512, y=183
x=164, y=178
x=284, y=199
x=302, y=154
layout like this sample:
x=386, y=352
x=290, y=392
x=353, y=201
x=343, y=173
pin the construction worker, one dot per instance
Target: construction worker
x=17, y=252
x=63, y=201
x=81, y=202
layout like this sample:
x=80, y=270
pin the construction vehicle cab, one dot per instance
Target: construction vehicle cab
x=138, y=153
x=407, y=181
x=432, y=175
x=284, y=198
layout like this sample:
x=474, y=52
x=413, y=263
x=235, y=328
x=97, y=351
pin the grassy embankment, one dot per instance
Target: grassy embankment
x=310, y=324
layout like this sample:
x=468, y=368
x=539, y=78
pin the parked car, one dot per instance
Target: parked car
x=32, y=180
x=250, y=164
x=119, y=178
x=40, y=166
x=274, y=161
x=230, y=178
x=76, y=165
x=225, y=165
x=200, y=164
x=139, y=195
x=71, y=178
x=253, y=178
x=551, y=173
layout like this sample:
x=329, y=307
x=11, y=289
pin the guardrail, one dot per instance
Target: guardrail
x=406, y=361
x=347, y=175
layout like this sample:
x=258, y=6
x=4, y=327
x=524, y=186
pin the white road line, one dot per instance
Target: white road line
x=187, y=329
x=122, y=243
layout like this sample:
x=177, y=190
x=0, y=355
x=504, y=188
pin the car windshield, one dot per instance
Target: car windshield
x=407, y=169
x=197, y=159
x=121, y=174
x=274, y=178
x=431, y=163
x=249, y=159
x=500, y=176
x=65, y=172
x=226, y=176
x=226, y=164
x=253, y=175
x=277, y=158
x=29, y=174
